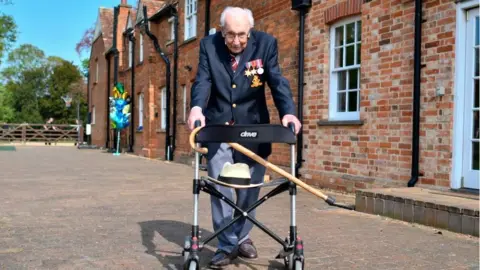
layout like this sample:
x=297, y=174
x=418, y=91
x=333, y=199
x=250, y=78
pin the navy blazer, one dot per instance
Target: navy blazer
x=226, y=96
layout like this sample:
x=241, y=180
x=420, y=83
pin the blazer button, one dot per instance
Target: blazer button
x=234, y=105
x=234, y=85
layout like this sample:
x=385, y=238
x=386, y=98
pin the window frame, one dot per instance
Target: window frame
x=172, y=28
x=190, y=18
x=163, y=109
x=140, y=109
x=141, y=48
x=130, y=47
x=333, y=114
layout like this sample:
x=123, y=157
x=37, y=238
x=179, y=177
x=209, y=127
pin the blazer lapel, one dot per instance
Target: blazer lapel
x=247, y=53
x=224, y=55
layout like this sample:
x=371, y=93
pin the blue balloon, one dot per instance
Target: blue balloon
x=119, y=113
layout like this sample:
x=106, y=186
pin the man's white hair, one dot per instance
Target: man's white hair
x=236, y=11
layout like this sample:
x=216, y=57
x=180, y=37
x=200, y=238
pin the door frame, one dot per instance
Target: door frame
x=459, y=97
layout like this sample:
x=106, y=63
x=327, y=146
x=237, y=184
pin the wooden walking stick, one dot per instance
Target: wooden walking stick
x=330, y=200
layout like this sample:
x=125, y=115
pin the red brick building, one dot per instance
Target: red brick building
x=365, y=67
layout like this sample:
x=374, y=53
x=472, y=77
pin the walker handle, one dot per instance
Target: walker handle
x=291, y=126
x=198, y=123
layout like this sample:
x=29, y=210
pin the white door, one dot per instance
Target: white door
x=472, y=100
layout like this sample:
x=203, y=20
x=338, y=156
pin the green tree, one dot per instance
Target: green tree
x=85, y=67
x=64, y=79
x=25, y=94
x=8, y=34
x=7, y=114
x=25, y=57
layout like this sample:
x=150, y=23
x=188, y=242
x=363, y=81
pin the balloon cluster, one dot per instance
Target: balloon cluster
x=120, y=107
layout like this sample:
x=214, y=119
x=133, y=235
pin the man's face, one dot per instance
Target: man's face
x=236, y=33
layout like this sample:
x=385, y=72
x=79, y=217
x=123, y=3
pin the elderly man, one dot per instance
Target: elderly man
x=234, y=66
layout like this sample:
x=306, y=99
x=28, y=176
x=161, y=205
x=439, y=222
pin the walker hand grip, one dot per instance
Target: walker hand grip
x=198, y=123
x=291, y=126
x=191, y=139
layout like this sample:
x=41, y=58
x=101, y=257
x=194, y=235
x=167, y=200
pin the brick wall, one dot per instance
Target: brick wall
x=378, y=153
x=97, y=91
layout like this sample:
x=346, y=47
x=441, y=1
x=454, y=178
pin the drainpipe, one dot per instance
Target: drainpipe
x=301, y=84
x=207, y=17
x=175, y=78
x=113, y=50
x=167, y=64
x=416, y=94
x=89, y=115
x=107, y=91
x=132, y=96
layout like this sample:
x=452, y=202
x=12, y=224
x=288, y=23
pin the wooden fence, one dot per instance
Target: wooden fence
x=47, y=133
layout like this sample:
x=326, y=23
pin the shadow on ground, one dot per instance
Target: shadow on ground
x=174, y=232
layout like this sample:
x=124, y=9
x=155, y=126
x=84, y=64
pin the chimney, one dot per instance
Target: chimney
x=123, y=2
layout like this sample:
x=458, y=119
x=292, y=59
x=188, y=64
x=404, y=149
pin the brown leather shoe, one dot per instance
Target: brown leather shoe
x=247, y=250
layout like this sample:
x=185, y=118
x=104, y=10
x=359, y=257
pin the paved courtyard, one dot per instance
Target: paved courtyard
x=63, y=208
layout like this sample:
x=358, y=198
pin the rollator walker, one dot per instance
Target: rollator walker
x=238, y=176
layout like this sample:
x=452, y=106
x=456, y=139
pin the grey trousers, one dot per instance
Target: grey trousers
x=222, y=213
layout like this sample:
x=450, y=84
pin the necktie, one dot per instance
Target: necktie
x=234, y=63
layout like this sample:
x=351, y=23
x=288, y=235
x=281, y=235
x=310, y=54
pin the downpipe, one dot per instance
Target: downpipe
x=301, y=84
x=168, y=147
x=416, y=95
x=131, y=38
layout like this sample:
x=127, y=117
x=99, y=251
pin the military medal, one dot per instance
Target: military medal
x=260, y=66
x=248, y=72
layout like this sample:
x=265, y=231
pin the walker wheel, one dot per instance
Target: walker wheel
x=186, y=249
x=298, y=265
x=293, y=264
x=191, y=265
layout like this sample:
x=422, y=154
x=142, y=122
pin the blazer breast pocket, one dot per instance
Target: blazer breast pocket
x=254, y=72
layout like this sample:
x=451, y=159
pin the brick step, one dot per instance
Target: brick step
x=444, y=210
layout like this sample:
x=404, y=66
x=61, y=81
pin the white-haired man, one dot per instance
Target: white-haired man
x=234, y=66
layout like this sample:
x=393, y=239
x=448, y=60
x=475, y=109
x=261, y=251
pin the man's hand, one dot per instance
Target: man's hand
x=291, y=118
x=195, y=114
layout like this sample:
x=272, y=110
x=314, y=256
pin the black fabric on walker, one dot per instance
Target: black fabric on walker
x=259, y=133
x=235, y=180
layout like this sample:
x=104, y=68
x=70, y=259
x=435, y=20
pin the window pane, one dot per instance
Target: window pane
x=477, y=31
x=353, y=79
x=350, y=32
x=359, y=30
x=475, y=125
x=341, y=102
x=359, y=53
x=342, y=80
x=339, y=36
x=476, y=91
x=352, y=101
x=475, y=159
x=476, y=62
x=350, y=55
x=339, y=57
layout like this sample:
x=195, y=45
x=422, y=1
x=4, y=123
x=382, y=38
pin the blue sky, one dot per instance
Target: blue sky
x=55, y=26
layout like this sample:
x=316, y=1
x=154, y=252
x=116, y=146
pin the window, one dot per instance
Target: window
x=140, y=111
x=163, y=119
x=172, y=28
x=190, y=18
x=345, y=47
x=141, y=48
x=184, y=103
x=96, y=71
x=129, y=54
x=93, y=115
